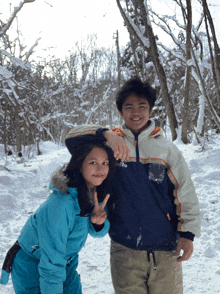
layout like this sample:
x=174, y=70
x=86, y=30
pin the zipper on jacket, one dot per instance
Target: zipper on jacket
x=136, y=148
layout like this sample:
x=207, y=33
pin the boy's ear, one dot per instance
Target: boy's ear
x=151, y=112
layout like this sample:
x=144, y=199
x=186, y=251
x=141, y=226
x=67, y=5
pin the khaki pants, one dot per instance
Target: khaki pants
x=133, y=271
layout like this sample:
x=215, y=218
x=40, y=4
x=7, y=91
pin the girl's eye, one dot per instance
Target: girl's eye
x=93, y=162
x=105, y=163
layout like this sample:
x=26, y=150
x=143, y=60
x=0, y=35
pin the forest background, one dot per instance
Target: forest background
x=41, y=99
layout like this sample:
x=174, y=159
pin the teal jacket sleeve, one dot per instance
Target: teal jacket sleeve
x=54, y=224
x=101, y=233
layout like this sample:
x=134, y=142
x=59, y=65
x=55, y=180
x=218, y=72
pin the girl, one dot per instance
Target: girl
x=45, y=257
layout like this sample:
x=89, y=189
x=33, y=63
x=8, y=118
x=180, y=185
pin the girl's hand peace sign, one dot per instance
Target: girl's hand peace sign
x=99, y=214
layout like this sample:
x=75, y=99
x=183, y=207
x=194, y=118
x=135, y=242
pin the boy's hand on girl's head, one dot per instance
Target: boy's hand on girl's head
x=99, y=214
x=121, y=150
x=187, y=246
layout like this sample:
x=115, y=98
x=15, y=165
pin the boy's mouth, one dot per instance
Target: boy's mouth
x=136, y=119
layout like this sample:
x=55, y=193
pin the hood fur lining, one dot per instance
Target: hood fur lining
x=59, y=180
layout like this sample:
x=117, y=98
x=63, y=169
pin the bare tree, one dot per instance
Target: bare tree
x=190, y=52
x=9, y=68
x=187, y=16
x=216, y=58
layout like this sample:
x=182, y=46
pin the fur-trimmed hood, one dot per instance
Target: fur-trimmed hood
x=59, y=180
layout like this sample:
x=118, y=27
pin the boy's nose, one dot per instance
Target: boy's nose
x=135, y=111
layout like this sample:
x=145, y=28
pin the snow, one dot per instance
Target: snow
x=24, y=186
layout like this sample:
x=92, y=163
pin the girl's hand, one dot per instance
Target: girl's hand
x=99, y=214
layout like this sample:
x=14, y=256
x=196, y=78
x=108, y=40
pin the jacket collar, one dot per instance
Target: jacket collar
x=150, y=131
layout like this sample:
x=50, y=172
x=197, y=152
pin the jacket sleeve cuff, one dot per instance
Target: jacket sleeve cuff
x=99, y=133
x=98, y=228
x=100, y=233
x=4, y=277
x=187, y=235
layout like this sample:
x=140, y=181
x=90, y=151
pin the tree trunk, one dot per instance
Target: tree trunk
x=118, y=59
x=4, y=136
x=18, y=130
x=216, y=59
x=204, y=92
x=185, y=110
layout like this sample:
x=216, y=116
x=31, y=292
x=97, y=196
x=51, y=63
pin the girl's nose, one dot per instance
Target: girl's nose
x=102, y=167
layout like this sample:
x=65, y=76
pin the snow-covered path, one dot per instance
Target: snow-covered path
x=25, y=187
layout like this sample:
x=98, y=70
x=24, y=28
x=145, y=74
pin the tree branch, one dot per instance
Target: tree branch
x=5, y=27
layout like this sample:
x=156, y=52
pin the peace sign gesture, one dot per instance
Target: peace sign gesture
x=99, y=214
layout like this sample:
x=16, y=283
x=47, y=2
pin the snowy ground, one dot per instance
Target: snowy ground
x=23, y=187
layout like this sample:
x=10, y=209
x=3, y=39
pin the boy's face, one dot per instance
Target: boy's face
x=136, y=113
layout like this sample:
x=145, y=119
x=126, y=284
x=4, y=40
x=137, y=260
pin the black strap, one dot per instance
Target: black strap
x=10, y=257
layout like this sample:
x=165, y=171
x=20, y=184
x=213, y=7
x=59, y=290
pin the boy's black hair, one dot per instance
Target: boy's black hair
x=137, y=87
x=76, y=179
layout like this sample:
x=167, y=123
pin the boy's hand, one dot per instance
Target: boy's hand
x=99, y=214
x=121, y=150
x=187, y=246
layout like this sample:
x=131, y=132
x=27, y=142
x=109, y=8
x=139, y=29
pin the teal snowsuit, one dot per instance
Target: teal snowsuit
x=50, y=242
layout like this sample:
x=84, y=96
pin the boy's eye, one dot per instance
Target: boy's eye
x=93, y=162
x=105, y=163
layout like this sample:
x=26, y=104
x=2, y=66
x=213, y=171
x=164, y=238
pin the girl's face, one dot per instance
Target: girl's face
x=95, y=167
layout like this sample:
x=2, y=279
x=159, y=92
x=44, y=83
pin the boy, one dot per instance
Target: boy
x=153, y=210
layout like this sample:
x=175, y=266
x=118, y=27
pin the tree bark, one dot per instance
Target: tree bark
x=118, y=59
x=204, y=92
x=17, y=129
x=187, y=74
x=216, y=59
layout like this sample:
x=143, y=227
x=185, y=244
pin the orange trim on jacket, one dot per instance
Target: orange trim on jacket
x=119, y=132
x=156, y=130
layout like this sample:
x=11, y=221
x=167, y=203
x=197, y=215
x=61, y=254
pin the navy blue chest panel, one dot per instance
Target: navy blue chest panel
x=138, y=184
x=145, y=204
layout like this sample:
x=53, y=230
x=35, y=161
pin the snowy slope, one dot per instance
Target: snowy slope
x=24, y=188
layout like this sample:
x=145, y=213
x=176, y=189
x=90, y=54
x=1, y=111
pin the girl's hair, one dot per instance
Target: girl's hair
x=76, y=179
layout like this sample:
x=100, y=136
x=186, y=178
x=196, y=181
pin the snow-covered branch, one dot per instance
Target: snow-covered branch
x=172, y=52
x=15, y=61
x=5, y=27
x=31, y=50
x=167, y=29
x=132, y=28
x=96, y=107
